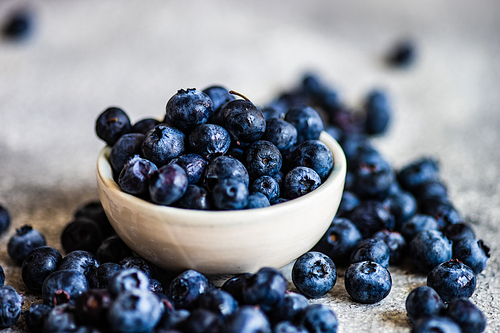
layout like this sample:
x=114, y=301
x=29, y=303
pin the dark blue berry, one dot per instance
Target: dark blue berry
x=266, y=185
x=266, y=288
x=472, y=252
x=111, y=124
x=432, y=188
x=418, y=172
x=396, y=243
x=187, y=287
x=195, y=197
x=452, y=279
x=35, y=317
x=458, y=231
x=4, y=219
x=313, y=154
x=168, y=184
x=230, y=194
x=2, y=276
x=334, y=131
x=314, y=274
x=270, y=112
x=219, y=302
x=288, y=327
x=39, y=264
x=248, y=319
x=373, y=179
x=347, y=203
x=419, y=222
x=319, y=318
x=138, y=263
x=235, y=285
x=113, y=249
x=80, y=260
x=442, y=210
x=423, y=302
x=100, y=278
x=193, y=164
x=128, y=279
x=290, y=309
x=280, y=133
x=257, y=200
x=307, y=121
x=436, y=324
x=25, y=239
x=428, y=249
x=262, y=158
x=127, y=146
x=81, y=234
x=188, y=108
x=134, y=176
x=367, y=282
x=202, y=321
x=144, y=125
x=163, y=143
x=220, y=96
x=467, y=315
x=371, y=216
x=10, y=306
x=300, y=181
x=372, y=249
x=378, y=112
x=225, y=167
x=209, y=140
x=243, y=120
x=402, y=54
x=61, y=318
x=92, y=307
x=95, y=211
x=63, y=287
x=402, y=206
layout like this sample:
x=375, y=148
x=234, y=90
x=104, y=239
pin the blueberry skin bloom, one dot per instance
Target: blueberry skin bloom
x=419, y=222
x=135, y=311
x=247, y=319
x=402, y=205
x=466, y=315
x=144, y=125
x=124, y=149
x=314, y=274
x=230, y=194
x=262, y=158
x=372, y=249
x=61, y=318
x=307, y=121
x=430, y=248
x=268, y=186
x=367, y=282
x=25, y=239
x=436, y=324
x=188, y=108
x=319, y=318
x=224, y=167
x=100, y=278
x=220, y=96
x=63, y=287
x=452, y=279
x=423, y=302
x=301, y=180
x=314, y=154
x=187, y=287
x=162, y=143
x=133, y=177
x=243, y=120
x=209, y=140
x=11, y=306
x=472, y=252
x=291, y=308
x=111, y=124
x=265, y=288
x=39, y=264
x=280, y=133
x=113, y=249
x=168, y=184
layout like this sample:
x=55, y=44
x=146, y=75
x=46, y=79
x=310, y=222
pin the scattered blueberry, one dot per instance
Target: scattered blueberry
x=219, y=302
x=319, y=318
x=423, y=302
x=418, y=172
x=61, y=318
x=419, y=222
x=396, y=243
x=472, y=252
x=371, y=216
x=367, y=282
x=458, y=231
x=247, y=319
x=138, y=263
x=266, y=288
x=35, y=317
x=81, y=234
x=63, y=287
x=128, y=279
x=40, y=263
x=80, y=260
x=95, y=211
x=290, y=309
x=430, y=248
x=25, y=239
x=452, y=279
x=436, y=324
x=378, y=112
x=314, y=274
x=100, y=277
x=187, y=287
x=372, y=249
x=402, y=206
x=113, y=249
x=92, y=307
x=19, y=24
x=10, y=306
x=467, y=315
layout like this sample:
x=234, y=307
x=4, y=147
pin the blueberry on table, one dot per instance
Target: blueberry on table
x=452, y=279
x=163, y=143
x=81, y=234
x=35, y=317
x=378, y=112
x=127, y=146
x=209, y=140
x=319, y=318
x=418, y=172
x=266, y=288
x=168, y=184
x=10, y=306
x=24, y=240
x=100, y=278
x=61, y=318
x=188, y=108
x=193, y=164
x=248, y=319
x=314, y=274
x=19, y=24
x=423, y=302
x=134, y=176
x=195, y=197
x=187, y=287
x=95, y=211
x=224, y=167
x=92, y=307
x=373, y=179
x=267, y=185
x=113, y=249
x=262, y=158
x=396, y=243
x=80, y=260
x=4, y=219
x=307, y=121
x=313, y=154
x=138, y=263
x=63, y=287
x=372, y=249
x=432, y=188
x=300, y=181
x=402, y=54
x=230, y=194
x=111, y=124
x=201, y=321
x=257, y=200
x=39, y=264
x=402, y=206
x=436, y=324
x=235, y=285
x=219, y=302
x=128, y=279
x=280, y=133
x=419, y=222
x=467, y=315
x=428, y=249
x=144, y=125
x=458, y=231
x=367, y=282
x=472, y=252
x=291, y=308
x=135, y=311
x=371, y=216
x=243, y=120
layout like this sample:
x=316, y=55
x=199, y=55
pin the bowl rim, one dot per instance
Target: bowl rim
x=179, y=216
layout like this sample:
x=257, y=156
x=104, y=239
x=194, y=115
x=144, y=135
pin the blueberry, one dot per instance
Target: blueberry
x=372, y=249
x=432, y=188
x=4, y=219
x=35, y=317
x=128, y=279
x=353, y=144
x=313, y=154
x=144, y=125
x=92, y=307
x=187, y=287
x=19, y=24
x=80, y=260
x=170, y=322
x=267, y=185
x=280, y=133
x=371, y=216
x=202, y=321
x=247, y=319
x=419, y=222
x=402, y=54
x=311, y=85
x=209, y=140
x=61, y=318
x=338, y=242
x=319, y=318
x=168, y=184
x=428, y=249
x=373, y=179
x=220, y=96
x=188, y=108
x=63, y=287
x=378, y=112
x=271, y=112
x=243, y=120
x=135, y=311
x=113, y=249
x=331, y=102
x=2, y=276
x=466, y=315
x=418, y=172
x=266, y=288
x=396, y=244
x=100, y=278
x=262, y=158
x=458, y=231
x=155, y=286
x=314, y=274
x=235, y=285
x=230, y=194
x=127, y=146
x=81, y=234
x=95, y=211
x=25, y=240
x=195, y=197
x=138, y=263
x=442, y=210
x=288, y=327
x=11, y=306
x=436, y=324
x=111, y=124
x=367, y=282
x=224, y=167
x=452, y=279
x=39, y=264
x=472, y=252
x=307, y=121
x=134, y=176
x=162, y=143
x=219, y=302
x=347, y=203
x=402, y=206
x=291, y=308
x=257, y=200
x=300, y=181
x=423, y=302
x=288, y=99
x=193, y=164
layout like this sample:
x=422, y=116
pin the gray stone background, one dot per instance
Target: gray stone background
x=87, y=55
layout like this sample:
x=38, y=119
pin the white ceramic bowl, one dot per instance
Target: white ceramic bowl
x=222, y=242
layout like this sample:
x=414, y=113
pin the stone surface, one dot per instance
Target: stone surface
x=87, y=55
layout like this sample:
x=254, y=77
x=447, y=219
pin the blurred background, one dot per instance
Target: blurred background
x=79, y=57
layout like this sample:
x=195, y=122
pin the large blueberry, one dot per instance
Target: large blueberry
x=63, y=286
x=373, y=179
x=100, y=277
x=267, y=185
x=314, y=274
x=24, y=240
x=472, y=252
x=372, y=249
x=168, y=184
x=10, y=306
x=458, y=231
x=81, y=234
x=134, y=175
x=281, y=133
x=291, y=308
x=396, y=243
x=188, y=108
x=124, y=149
x=219, y=302
x=442, y=209
x=247, y=319
x=4, y=219
x=243, y=120
x=467, y=315
x=418, y=172
x=111, y=124
x=423, y=302
x=301, y=180
x=419, y=222
x=235, y=285
x=219, y=96
x=163, y=143
x=39, y=264
x=319, y=318
x=313, y=154
x=429, y=248
x=80, y=260
x=452, y=279
x=186, y=288
x=113, y=249
x=402, y=206
x=378, y=112
x=307, y=121
x=367, y=282
x=262, y=158
x=224, y=167
x=209, y=140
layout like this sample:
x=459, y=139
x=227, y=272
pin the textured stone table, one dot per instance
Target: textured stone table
x=87, y=55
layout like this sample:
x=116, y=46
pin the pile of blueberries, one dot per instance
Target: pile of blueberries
x=386, y=217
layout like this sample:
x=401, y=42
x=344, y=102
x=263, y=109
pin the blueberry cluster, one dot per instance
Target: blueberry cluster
x=213, y=151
